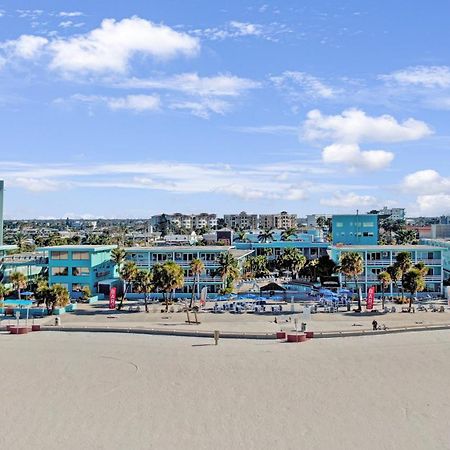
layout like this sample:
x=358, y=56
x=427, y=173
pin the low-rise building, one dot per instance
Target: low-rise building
x=394, y=214
x=77, y=266
x=355, y=229
x=147, y=257
x=378, y=257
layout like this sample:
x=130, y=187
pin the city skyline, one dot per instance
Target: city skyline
x=131, y=110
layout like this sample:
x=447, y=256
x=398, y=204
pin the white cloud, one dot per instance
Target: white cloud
x=433, y=204
x=427, y=76
x=135, y=102
x=203, y=108
x=70, y=14
x=349, y=200
x=426, y=181
x=65, y=24
x=311, y=86
x=191, y=83
x=353, y=156
x=354, y=126
x=236, y=29
x=248, y=182
x=138, y=103
x=26, y=46
x=110, y=47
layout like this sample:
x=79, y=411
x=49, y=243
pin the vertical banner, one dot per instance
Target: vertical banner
x=112, y=298
x=203, y=294
x=370, y=297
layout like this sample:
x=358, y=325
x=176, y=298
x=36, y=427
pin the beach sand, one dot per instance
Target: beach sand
x=117, y=391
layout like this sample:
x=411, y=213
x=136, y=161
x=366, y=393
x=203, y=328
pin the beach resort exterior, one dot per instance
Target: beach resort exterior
x=377, y=258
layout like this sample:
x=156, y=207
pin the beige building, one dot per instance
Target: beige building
x=282, y=220
x=242, y=220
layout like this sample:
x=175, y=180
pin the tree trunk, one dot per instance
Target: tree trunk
x=382, y=297
x=146, y=302
x=193, y=294
x=411, y=301
x=359, y=297
x=166, y=298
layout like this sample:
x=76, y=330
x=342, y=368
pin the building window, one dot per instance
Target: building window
x=368, y=224
x=81, y=271
x=339, y=224
x=59, y=255
x=77, y=287
x=80, y=255
x=60, y=271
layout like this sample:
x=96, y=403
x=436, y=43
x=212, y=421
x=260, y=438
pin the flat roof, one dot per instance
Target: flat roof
x=7, y=247
x=385, y=247
x=177, y=248
x=93, y=248
x=240, y=253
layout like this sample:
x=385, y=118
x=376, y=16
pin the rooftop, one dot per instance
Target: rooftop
x=384, y=247
x=180, y=248
x=85, y=248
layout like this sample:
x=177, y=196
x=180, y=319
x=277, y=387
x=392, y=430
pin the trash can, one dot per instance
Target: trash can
x=303, y=326
x=57, y=321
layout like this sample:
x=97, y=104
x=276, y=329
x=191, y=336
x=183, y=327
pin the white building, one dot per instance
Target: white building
x=242, y=220
x=393, y=213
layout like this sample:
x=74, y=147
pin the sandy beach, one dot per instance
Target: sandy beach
x=102, y=391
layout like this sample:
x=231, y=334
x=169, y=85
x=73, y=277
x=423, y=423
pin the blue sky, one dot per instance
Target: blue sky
x=128, y=109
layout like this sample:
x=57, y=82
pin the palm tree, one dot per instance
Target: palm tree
x=404, y=236
x=413, y=282
x=422, y=268
x=228, y=270
x=128, y=274
x=293, y=260
x=321, y=221
x=241, y=236
x=196, y=267
x=288, y=233
x=21, y=241
x=167, y=277
x=385, y=279
x=352, y=265
x=404, y=262
x=118, y=258
x=395, y=273
x=3, y=292
x=265, y=236
x=312, y=265
x=19, y=281
x=57, y=295
x=144, y=284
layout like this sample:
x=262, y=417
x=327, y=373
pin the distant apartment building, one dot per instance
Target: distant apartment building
x=187, y=221
x=282, y=220
x=355, y=229
x=440, y=231
x=394, y=214
x=311, y=219
x=242, y=220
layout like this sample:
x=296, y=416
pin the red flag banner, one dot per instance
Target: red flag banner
x=370, y=297
x=112, y=298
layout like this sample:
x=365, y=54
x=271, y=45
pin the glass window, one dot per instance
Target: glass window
x=339, y=224
x=77, y=287
x=59, y=255
x=368, y=224
x=60, y=271
x=81, y=271
x=80, y=255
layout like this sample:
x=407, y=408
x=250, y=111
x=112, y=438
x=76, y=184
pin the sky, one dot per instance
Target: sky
x=129, y=109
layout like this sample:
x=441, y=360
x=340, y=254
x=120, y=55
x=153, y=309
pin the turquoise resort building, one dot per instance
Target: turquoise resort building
x=378, y=257
x=355, y=229
x=78, y=266
x=147, y=257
